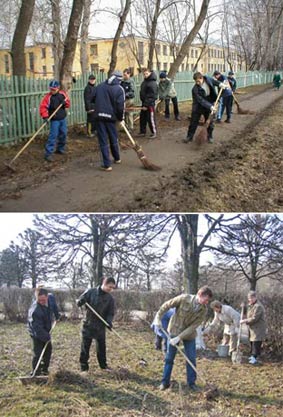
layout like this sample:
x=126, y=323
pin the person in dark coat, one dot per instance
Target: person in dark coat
x=89, y=105
x=39, y=326
x=277, y=80
x=58, y=125
x=93, y=328
x=148, y=96
x=109, y=99
x=204, y=96
x=233, y=84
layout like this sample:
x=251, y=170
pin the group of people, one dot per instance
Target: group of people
x=106, y=104
x=179, y=317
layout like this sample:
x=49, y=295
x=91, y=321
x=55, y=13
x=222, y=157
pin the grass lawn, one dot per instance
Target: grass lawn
x=130, y=390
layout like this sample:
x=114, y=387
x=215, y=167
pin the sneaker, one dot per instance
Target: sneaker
x=60, y=151
x=210, y=140
x=48, y=158
x=227, y=121
x=90, y=135
x=187, y=139
x=152, y=136
x=178, y=118
x=253, y=361
x=163, y=387
x=118, y=161
x=141, y=135
x=107, y=169
x=167, y=118
x=218, y=121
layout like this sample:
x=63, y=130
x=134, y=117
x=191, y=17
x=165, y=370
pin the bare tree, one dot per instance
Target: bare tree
x=19, y=38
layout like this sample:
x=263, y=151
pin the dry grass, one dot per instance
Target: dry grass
x=129, y=390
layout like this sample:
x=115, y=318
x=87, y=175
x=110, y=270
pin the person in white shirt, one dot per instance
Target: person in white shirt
x=231, y=319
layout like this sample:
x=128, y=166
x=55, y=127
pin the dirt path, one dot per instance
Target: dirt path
x=229, y=175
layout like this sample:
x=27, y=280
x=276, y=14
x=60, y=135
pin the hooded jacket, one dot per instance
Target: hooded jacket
x=109, y=98
x=103, y=303
x=149, y=90
x=129, y=87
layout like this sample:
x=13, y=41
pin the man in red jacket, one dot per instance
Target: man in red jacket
x=58, y=126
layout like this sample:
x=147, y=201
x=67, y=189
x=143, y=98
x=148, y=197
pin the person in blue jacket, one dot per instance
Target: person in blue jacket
x=226, y=98
x=109, y=99
x=160, y=337
x=39, y=326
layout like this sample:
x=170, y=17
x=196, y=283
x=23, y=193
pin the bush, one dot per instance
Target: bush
x=16, y=302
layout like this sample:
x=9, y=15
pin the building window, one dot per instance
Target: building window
x=165, y=50
x=94, y=49
x=44, y=70
x=53, y=69
x=196, y=53
x=140, y=53
x=31, y=61
x=192, y=53
x=7, y=67
x=171, y=50
x=94, y=67
x=192, y=67
x=43, y=53
x=158, y=49
x=165, y=66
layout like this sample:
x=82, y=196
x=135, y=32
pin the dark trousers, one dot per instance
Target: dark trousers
x=148, y=117
x=256, y=348
x=227, y=104
x=38, y=345
x=196, y=115
x=100, y=352
x=175, y=106
x=91, y=123
x=105, y=131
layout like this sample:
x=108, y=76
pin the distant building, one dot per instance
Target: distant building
x=132, y=53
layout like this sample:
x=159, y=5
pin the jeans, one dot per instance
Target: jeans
x=227, y=104
x=190, y=351
x=100, y=352
x=105, y=131
x=57, y=136
x=38, y=346
x=220, y=109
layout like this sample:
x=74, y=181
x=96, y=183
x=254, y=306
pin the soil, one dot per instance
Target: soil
x=244, y=163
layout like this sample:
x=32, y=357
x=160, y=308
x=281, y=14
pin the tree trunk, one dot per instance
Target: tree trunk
x=57, y=45
x=19, y=38
x=188, y=41
x=123, y=16
x=70, y=44
x=84, y=56
x=153, y=34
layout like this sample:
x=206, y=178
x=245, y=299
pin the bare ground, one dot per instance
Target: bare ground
x=131, y=390
x=233, y=174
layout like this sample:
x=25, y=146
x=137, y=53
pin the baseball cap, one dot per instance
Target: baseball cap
x=54, y=84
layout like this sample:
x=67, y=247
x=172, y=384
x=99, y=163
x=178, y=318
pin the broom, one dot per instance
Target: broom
x=239, y=108
x=201, y=136
x=140, y=108
x=137, y=148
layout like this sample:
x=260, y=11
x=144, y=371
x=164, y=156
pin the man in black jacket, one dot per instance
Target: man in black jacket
x=148, y=96
x=204, y=96
x=39, y=326
x=89, y=105
x=93, y=328
x=109, y=98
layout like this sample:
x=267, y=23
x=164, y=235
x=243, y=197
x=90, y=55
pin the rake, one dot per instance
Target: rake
x=9, y=165
x=137, y=148
x=237, y=355
x=142, y=361
x=201, y=136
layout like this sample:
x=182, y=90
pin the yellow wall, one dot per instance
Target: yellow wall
x=99, y=51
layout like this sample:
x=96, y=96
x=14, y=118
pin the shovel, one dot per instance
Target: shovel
x=39, y=379
x=237, y=355
x=142, y=362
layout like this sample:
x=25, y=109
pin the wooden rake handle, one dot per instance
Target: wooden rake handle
x=42, y=352
x=36, y=133
x=113, y=330
x=185, y=357
x=235, y=99
x=132, y=140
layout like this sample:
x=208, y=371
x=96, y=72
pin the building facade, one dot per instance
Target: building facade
x=132, y=53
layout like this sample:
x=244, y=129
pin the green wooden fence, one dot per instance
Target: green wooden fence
x=20, y=98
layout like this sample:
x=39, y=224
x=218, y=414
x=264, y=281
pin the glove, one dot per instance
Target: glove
x=213, y=109
x=174, y=341
x=79, y=302
x=223, y=85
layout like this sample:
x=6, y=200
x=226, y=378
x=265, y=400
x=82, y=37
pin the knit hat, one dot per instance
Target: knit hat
x=162, y=74
x=117, y=74
x=230, y=73
x=92, y=77
x=54, y=84
x=216, y=72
